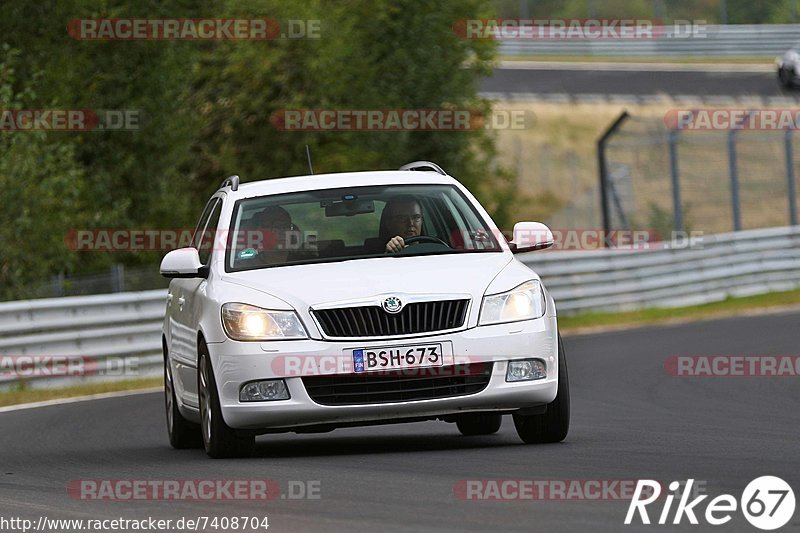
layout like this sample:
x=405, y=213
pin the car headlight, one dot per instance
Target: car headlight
x=244, y=322
x=520, y=303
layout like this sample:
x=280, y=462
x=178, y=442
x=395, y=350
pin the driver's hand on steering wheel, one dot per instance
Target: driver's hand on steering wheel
x=395, y=244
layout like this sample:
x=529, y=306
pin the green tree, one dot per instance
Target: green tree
x=371, y=55
x=206, y=109
x=38, y=178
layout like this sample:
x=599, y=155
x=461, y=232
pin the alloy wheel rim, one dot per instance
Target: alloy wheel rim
x=168, y=394
x=205, y=404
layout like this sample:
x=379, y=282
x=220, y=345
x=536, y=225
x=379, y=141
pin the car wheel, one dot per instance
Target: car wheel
x=553, y=425
x=785, y=78
x=472, y=424
x=182, y=433
x=219, y=439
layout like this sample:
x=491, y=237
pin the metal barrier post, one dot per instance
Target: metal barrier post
x=603, y=167
x=734, y=171
x=677, y=210
x=118, y=278
x=787, y=139
x=57, y=283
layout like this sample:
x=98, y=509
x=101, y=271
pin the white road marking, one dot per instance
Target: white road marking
x=76, y=399
x=646, y=99
x=767, y=66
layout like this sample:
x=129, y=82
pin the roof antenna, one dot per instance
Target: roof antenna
x=308, y=154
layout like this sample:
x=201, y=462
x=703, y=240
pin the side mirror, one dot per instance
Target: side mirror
x=530, y=236
x=183, y=263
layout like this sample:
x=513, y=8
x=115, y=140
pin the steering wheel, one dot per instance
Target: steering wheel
x=425, y=238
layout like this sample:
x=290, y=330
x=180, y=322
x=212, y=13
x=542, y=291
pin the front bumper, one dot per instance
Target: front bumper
x=236, y=363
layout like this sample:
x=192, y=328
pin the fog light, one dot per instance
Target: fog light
x=526, y=370
x=264, y=391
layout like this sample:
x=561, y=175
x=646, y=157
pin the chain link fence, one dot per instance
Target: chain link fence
x=667, y=180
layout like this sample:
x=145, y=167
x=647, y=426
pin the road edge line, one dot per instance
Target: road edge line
x=76, y=399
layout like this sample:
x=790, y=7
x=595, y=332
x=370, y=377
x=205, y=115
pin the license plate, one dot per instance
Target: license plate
x=397, y=357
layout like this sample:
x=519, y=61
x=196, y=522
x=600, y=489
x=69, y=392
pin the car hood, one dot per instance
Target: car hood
x=322, y=284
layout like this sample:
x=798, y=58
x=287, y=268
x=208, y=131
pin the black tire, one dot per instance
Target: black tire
x=473, y=424
x=182, y=433
x=553, y=425
x=784, y=76
x=219, y=440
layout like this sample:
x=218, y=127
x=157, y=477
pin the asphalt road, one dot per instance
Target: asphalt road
x=640, y=82
x=630, y=420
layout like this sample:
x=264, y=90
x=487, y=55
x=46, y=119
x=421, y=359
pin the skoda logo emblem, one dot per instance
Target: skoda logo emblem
x=392, y=305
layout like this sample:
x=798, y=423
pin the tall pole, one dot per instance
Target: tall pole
x=524, y=12
x=790, y=185
x=734, y=172
x=603, y=168
x=677, y=210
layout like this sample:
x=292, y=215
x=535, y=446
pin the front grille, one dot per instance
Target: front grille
x=399, y=385
x=373, y=321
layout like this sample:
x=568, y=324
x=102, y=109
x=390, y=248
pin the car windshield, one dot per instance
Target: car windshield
x=354, y=223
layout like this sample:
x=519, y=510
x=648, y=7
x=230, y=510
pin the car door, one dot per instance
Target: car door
x=185, y=307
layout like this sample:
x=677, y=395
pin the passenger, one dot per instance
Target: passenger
x=274, y=226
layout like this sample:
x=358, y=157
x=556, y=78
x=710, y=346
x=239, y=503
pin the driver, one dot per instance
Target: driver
x=401, y=219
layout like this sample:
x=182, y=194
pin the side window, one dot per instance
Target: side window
x=207, y=237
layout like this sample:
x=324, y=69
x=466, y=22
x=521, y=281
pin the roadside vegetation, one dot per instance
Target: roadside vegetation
x=587, y=322
x=22, y=393
x=205, y=109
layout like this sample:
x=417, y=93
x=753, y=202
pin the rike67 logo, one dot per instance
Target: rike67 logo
x=767, y=503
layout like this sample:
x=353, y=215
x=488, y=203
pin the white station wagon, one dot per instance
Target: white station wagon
x=311, y=303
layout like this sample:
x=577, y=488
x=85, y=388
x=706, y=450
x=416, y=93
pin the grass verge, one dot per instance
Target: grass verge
x=726, y=308
x=22, y=394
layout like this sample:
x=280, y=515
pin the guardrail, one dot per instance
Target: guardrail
x=87, y=330
x=755, y=40
x=127, y=325
x=720, y=266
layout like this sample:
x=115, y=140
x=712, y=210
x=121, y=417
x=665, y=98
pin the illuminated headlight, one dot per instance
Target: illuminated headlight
x=249, y=323
x=264, y=391
x=526, y=370
x=521, y=303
